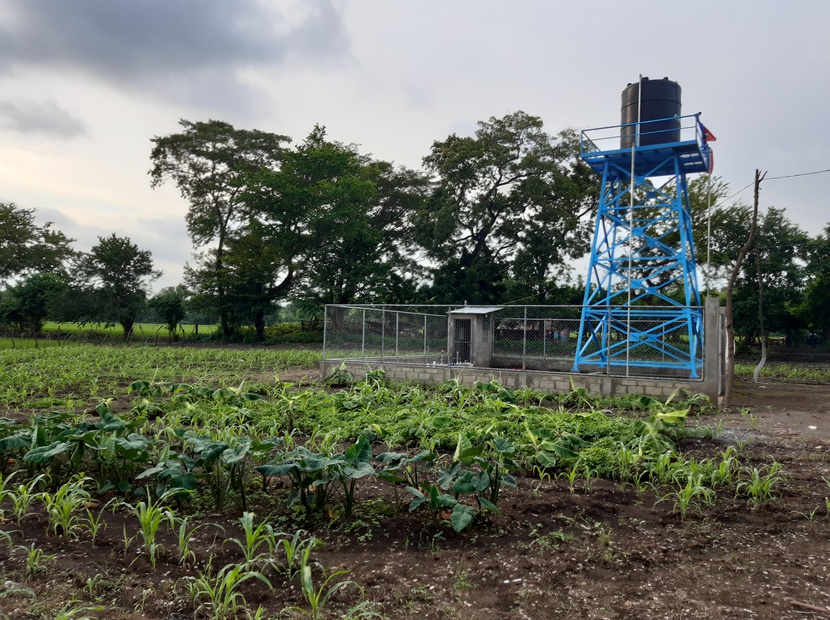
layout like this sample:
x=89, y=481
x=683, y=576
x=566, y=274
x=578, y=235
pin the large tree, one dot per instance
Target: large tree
x=116, y=278
x=26, y=247
x=507, y=202
x=28, y=303
x=210, y=162
x=815, y=307
x=778, y=252
x=336, y=224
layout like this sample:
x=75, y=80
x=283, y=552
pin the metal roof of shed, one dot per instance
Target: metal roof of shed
x=476, y=310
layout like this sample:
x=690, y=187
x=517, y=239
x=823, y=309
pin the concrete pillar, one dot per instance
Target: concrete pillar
x=712, y=352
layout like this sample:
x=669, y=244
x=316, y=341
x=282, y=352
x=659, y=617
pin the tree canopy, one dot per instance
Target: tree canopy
x=493, y=217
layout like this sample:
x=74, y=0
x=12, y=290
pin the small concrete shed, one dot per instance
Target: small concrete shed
x=470, y=336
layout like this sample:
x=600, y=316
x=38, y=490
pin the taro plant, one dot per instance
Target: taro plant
x=356, y=464
x=549, y=447
x=471, y=473
x=225, y=465
x=440, y=504
x=311, y=475
x=172, y=473
x=480, y=470
x=403, y=469
x=14, y=439
x=658, y=432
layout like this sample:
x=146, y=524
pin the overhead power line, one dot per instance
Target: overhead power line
x=800, y=174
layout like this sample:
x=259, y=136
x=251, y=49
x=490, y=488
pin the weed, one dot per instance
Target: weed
x=462, y=577
x=551, y=540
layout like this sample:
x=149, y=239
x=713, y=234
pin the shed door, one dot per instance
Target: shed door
x=461, y=346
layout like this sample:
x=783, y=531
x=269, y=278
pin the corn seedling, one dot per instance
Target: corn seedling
x=256, y=539
x=219, y=593
x=63, y=505
x=296, y=548
x=95, y=525
x=810, y=516
x=4, y=482
x=23, y=497
x=364, y=610
x=571, y=477
x=36, y=560
x=184, y=535
x=75, y=611
x=691, y=496
x=150, y=517
x=758, y=488
x=318, y=597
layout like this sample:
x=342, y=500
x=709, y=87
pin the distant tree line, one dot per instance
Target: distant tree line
x=492, y=218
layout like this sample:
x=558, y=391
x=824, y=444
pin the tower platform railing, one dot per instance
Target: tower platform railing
x=651, y=154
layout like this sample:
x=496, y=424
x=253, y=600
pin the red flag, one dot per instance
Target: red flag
x=708, y=136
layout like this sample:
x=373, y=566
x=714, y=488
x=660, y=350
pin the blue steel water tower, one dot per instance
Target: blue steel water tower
x=641, y=311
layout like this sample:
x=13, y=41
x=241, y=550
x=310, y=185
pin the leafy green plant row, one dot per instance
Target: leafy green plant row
x=223, y=438
x=35, y=378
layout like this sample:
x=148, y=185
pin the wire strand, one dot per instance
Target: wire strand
x=800, y=174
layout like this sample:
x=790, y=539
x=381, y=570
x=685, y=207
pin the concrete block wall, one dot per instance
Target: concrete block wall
x=551, y=383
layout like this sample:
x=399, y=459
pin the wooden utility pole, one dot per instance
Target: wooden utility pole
x=730, y=327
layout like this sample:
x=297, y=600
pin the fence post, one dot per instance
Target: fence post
x=524, y=342
x=397, y=331
x=363, y=336
x=425, y=339
x=325, y=326
x=382, y=332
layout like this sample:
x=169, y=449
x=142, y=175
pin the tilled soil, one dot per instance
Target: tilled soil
x=601, y=552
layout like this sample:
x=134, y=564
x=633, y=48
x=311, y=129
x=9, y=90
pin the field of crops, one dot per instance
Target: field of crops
x=161, y=482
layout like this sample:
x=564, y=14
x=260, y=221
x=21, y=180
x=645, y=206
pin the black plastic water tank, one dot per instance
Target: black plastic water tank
x=660, y=100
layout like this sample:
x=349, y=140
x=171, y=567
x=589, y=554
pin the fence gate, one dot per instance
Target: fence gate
x=463, y=334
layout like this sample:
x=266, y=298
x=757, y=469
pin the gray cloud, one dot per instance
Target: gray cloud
x=46, y=118
x=198, y=46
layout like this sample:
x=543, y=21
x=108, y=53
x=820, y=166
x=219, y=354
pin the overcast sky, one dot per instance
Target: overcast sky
x=85, y=85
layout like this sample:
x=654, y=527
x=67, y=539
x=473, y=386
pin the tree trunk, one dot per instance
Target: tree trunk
x=762, y=334
x=730, y=326
x=127, y=325
x=259, y=325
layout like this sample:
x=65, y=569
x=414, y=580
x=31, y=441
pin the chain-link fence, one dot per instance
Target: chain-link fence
x=540, y=338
